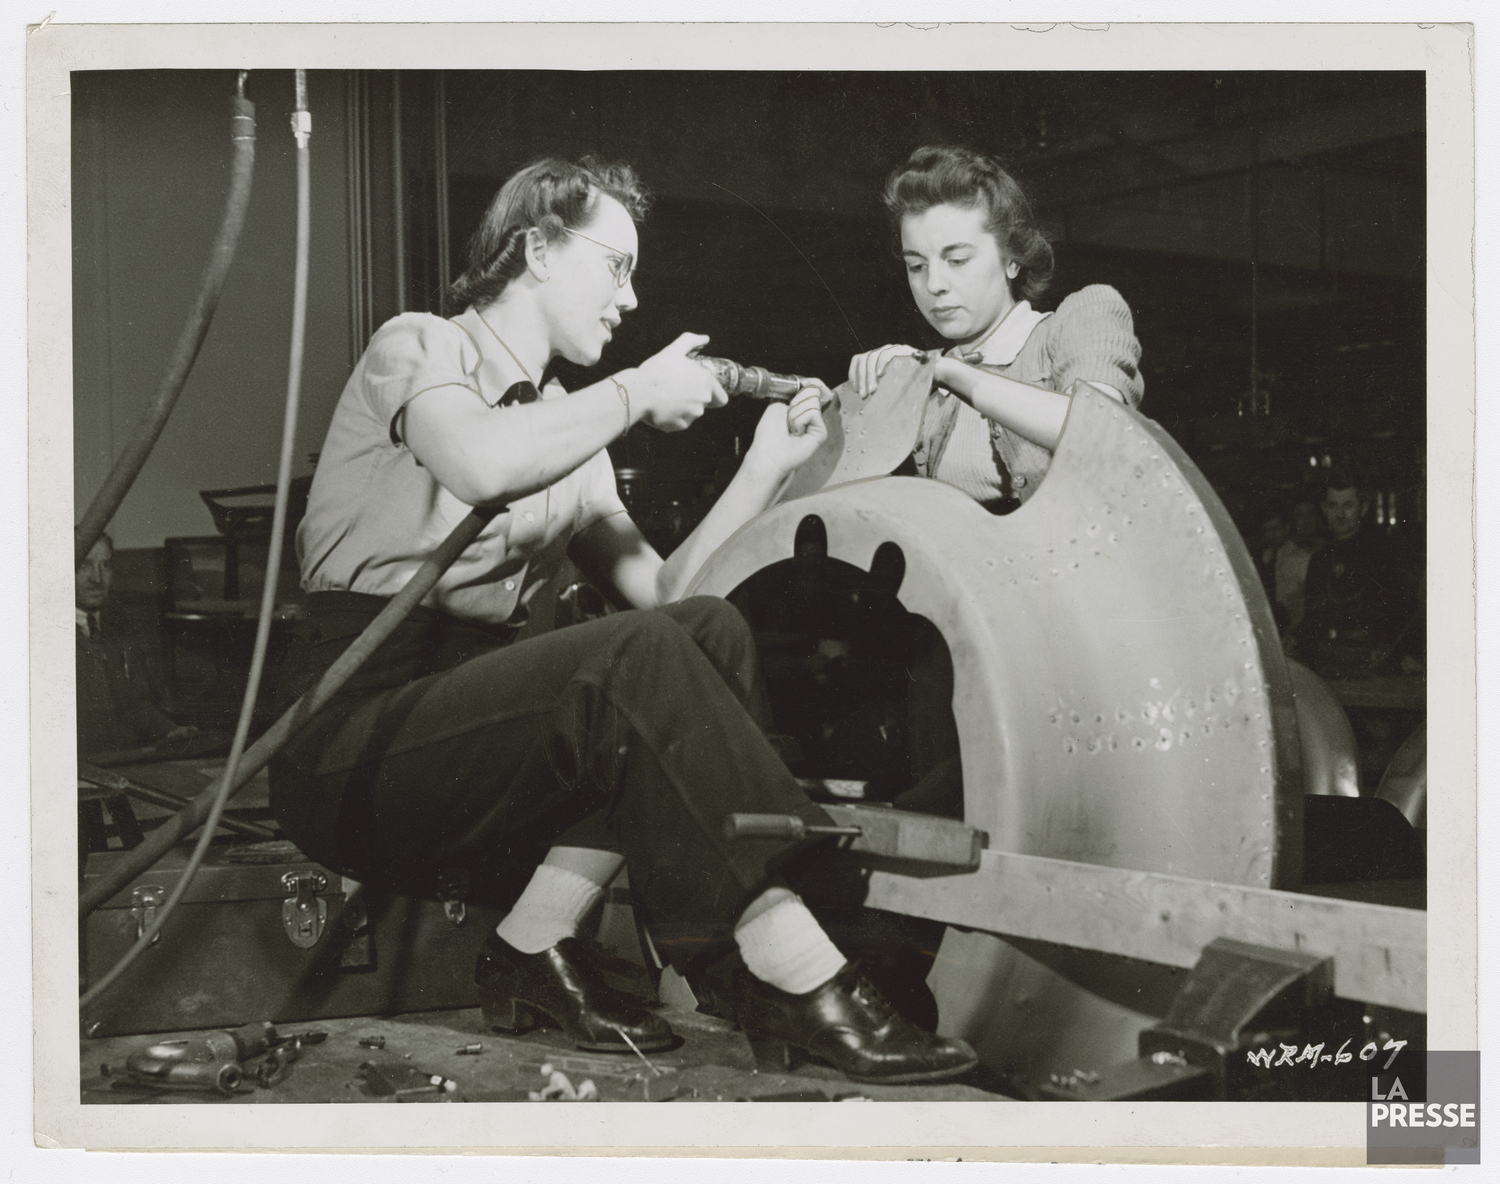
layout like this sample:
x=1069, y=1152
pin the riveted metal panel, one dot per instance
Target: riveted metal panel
x=1119, y=690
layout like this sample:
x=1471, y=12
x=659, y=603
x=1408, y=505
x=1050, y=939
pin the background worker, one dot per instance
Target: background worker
x=118, y=698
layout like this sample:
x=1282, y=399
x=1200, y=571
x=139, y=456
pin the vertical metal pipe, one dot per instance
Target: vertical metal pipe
x=354, y=108
x=440, y=185
x=1254, y=269
x=398, y=184
x=1323, y=221
x=367, y=227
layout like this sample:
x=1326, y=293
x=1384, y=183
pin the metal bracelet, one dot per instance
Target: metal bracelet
x=624, y=398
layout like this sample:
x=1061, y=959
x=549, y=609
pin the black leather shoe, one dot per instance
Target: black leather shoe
x=848, y=1023
x=563, y=984
x=900, y=973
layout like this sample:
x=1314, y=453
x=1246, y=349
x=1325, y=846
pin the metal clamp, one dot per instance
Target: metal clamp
x=144, y=901
x=304, y=914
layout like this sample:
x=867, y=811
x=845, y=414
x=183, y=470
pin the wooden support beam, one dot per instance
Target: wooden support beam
x=1379, y=952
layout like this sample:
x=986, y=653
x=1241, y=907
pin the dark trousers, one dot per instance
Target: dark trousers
x=636, y=733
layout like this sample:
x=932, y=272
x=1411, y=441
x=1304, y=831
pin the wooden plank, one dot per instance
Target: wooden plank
x=1379, y=952
x=902, y=834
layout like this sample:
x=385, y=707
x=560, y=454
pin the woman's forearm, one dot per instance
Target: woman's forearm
x=749, y=493
x=485, y=456
x=1032, y=412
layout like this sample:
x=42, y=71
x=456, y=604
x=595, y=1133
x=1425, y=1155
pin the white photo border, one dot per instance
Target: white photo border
x=1327, y=1133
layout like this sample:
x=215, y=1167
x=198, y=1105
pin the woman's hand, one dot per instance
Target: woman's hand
x=669, y=390
x=865, y=369
x=826, y=397
x=789, y=433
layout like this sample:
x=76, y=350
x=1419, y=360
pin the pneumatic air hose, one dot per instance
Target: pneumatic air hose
x=128, y=464
x=243, y=763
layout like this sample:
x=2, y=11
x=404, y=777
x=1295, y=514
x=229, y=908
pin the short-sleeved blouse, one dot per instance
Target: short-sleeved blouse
x=1090, y=338
x=375, y=512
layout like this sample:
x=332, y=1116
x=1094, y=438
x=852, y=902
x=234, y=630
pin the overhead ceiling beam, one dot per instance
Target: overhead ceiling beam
x=1147, y=164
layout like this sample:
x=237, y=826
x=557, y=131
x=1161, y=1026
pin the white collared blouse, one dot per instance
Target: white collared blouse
x=1090, y=338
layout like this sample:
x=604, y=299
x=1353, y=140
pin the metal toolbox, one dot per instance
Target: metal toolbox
x=265, y=934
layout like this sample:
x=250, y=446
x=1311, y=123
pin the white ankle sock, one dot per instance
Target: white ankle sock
x=785, y=946
x=549, y=910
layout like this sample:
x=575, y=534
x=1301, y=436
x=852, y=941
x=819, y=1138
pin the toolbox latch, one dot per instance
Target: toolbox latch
x=304, y=914
x=144, y=901
x=452, y=886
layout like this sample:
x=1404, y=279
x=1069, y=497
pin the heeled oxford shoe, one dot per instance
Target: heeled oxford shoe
x=851, y=1025
x=565, y=985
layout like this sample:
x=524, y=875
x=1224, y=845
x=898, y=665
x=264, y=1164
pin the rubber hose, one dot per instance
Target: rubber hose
x=128, y=464
x=259, y=754
x=301, y=126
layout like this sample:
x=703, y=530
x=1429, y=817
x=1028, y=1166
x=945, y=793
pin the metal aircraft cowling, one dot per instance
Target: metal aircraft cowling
x=1119, y=690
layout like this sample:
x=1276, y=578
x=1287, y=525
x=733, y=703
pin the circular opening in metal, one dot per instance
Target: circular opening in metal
x=860, y=689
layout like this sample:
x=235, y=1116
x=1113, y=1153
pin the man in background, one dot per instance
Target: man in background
x=1359, y=595
x=1289, y=574
x=117, y=704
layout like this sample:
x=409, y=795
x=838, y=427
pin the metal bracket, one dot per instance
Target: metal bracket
x=304, y=914
x=144, y=901
x=1238, y=996
x=1236, y=992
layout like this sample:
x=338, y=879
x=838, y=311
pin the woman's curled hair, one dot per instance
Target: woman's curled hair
x=936, y=175
x=552, y=195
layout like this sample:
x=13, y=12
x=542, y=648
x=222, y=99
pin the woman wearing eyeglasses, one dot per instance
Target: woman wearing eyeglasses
x=622, y=740
x=975, y=259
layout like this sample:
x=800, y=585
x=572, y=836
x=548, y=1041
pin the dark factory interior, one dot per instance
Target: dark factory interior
x=1268, y=232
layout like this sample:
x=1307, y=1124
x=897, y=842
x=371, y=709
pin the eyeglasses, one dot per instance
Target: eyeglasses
x=623, y=265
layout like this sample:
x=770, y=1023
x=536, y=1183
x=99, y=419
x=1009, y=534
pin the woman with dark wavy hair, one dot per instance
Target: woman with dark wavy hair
x=975, y=260
x=625, y=740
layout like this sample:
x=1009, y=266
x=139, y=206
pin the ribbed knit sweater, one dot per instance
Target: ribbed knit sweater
x=1090, y=338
